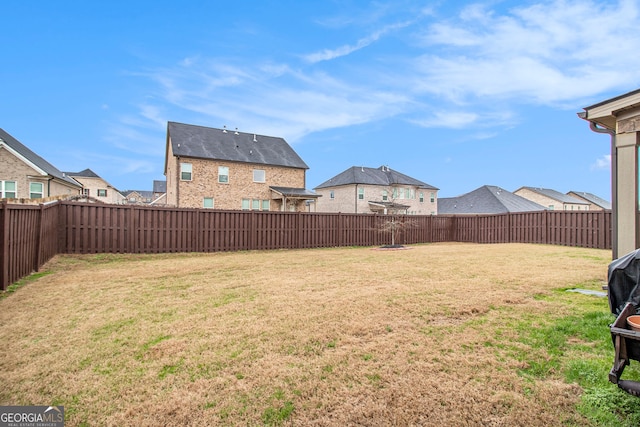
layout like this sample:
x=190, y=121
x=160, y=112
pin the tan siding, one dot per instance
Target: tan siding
x=548, y=201
x=345, y=199
x=171, y=175
x=14, y=169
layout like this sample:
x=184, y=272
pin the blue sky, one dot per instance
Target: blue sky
x=457, y=95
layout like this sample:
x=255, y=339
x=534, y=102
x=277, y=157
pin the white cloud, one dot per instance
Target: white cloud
x=602, y=163
x=460, y=119
x=328, y=54
x=469, y=71
x=546, y=53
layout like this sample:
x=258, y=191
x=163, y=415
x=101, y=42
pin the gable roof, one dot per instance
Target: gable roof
x=159, y=186
x=87, y=173
x=591, y=198
x=555, y=195
x=371, y=176
x=142, y=193
x=295, y=192
x=33, y=159
x=487, y=199
x=221, y=144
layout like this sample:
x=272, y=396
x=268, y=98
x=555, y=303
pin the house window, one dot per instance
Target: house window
x=255, y=205
x=421, y=197
x=185, y=171
x=332, y=195
x=223, y=174
x=550, y=207
x=86, y=192
x=8, y=189
x=360, y=193
x=395, y=193
x=266, y=205
x=258, y=175
x=385, y=195
x=102, y=192
x=246, y=204
x=412, y=193
x=36, y=190
x=433, y=197
x=207, y=202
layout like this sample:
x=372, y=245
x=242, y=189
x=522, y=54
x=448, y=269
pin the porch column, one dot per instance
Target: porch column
x=627, y=142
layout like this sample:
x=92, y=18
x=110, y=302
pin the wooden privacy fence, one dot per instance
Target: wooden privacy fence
x=31, y=235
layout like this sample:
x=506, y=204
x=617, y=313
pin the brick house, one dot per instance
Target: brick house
x=552, y=199
x=96, y=188
x=24, y=175
x=224, y=169
x=595, y=203
x=382, y=190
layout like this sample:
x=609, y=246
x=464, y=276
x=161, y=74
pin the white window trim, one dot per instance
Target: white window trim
x=3, y=189
x=264, y=175
x=41, y=192
x=183, y=167
x=220, y=174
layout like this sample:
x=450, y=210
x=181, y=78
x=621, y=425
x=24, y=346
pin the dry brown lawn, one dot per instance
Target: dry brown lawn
x=326, y=337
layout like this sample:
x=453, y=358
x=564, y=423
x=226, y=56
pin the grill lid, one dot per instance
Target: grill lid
x=623, y=281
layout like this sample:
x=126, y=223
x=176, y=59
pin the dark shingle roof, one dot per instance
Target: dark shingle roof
x=143, y=193
x=592, y=198
x=380, y=176
x=87, y=173
x=555, y=195
x=36, y=160
x=210, y=143
x=487, y=199
x=159, y=186
x=295, y=192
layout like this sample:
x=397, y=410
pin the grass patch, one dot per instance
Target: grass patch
x=346, y=336
x=22, y=282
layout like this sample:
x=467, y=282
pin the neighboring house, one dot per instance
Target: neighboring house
x=595, y=203
x=159, y=193
x=96, y=188
x=25, y=175
x=223, y=169
x=137, y=197
x=487, y=199
x=552, y=199
x=382, y=190
x=159, y=188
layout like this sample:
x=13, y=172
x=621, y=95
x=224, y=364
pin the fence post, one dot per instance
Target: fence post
x=4, y=246
x=37, y=257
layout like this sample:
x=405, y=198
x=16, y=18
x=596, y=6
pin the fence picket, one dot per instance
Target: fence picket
x=31, y=235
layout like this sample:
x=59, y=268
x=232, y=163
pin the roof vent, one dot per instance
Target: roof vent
x=254, y=138
x=224, y=128
x=237, y=131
